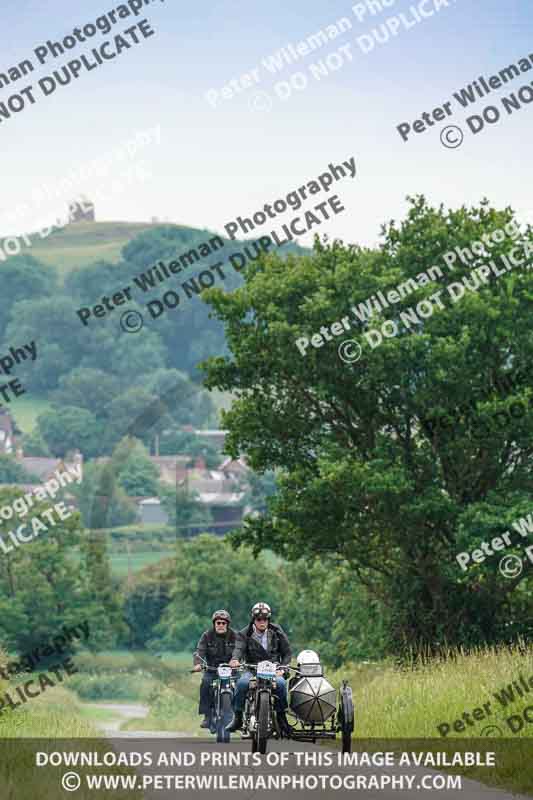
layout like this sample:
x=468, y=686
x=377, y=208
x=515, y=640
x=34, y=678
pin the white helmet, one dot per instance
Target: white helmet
x=307, y=657
x=261, y=609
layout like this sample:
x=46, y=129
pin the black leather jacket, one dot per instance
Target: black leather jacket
x=215, y=648
x=251, y=651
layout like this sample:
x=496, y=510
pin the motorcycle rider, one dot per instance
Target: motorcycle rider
x=261, y=640
x=216, y=647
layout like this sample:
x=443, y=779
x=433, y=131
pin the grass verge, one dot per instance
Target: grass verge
x=411, y=703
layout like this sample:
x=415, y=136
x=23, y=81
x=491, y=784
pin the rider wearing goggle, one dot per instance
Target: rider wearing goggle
x=261, y=640
x=216, y=647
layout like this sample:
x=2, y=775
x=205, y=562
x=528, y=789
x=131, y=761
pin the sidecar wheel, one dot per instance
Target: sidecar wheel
x=346, y=718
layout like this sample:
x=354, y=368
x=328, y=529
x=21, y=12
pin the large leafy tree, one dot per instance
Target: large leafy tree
x=188, y=403
x=95, y=575
x=137, y=475
x=322, y=608
x=12, y=471
x=50, y=322
x=145, y=600
x=209, y=575
x=33, y=444
x=86, y=388
x=24, y=278
x=163, y=242
x=184, y=510
x=43, y=588
x=102, y=503
x=364, y=476
x=64, y=344
x=70, y=428
x=125, y=414
x=175, y=441
x=90, y=282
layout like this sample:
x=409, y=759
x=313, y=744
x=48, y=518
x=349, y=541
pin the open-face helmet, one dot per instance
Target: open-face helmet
x=309, y=663
x=221, y=615
x=307, y=657
x=261, y=610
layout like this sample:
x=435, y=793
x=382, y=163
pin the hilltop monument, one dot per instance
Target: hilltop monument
x=82, y=210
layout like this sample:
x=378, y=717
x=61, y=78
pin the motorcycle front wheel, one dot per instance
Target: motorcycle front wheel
x=224, y=719
x=263, y=720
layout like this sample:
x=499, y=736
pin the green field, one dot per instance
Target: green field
x=83, y=243
x=26, y=409
x=121, y=562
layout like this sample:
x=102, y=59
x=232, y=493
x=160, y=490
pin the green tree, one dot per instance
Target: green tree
x=90, y=282
x=24, y=278
x=257, y=489
x=145, y=601
x=86, y=388
x=184, y=510
x=322, y=608
x=102, y=503
x=126, y=415
x=50, y=322
x=33, y=444
x=70, y=428
x=137, y=475
x=107, y=617
x=178, y=442
x=163, y=242
x=64, y=344
x=364, y=476
x=188, y=403
x=43, y=588
x=210, y=575
x=13, y=472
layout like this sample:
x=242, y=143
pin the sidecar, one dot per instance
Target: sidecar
x=318, y=709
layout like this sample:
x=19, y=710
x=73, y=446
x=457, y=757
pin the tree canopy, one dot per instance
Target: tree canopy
x=12, y=471
x=363, y=476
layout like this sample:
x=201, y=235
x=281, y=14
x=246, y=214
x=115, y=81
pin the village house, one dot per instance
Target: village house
x=7, y=432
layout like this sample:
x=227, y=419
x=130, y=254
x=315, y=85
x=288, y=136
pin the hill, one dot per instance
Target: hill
x=82, y=243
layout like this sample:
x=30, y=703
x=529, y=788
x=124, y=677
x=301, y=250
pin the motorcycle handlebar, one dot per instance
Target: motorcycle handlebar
x=206, y=668
x=242, y=665
x=254, y=666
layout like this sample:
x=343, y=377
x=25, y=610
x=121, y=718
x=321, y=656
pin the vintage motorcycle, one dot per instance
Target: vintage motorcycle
x=223, y=688
x=313, y=704
x=259, y=717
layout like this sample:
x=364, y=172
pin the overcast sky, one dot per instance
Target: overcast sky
x=216, y=163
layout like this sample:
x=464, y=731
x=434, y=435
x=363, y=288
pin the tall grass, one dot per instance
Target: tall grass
x=412, y=701
x=409, y=703
x=54, y=715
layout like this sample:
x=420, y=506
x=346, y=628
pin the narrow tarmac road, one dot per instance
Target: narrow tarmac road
x=124, y=712
x=208, y=760
x=212, y=759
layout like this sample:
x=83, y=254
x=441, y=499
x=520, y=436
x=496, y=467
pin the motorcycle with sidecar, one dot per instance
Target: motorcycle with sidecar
x=316, y=710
